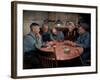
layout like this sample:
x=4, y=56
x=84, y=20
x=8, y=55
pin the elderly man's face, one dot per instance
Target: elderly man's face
x=70, y=27
x=45, y=28
x=81, y=30
x=54, y=31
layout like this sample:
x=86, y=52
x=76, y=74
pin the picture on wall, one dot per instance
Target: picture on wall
x=53, y=39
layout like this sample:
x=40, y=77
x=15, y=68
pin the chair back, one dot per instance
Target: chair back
x=48, y=59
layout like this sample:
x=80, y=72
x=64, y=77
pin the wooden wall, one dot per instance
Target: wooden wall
x=39, y=17
x=32, y=16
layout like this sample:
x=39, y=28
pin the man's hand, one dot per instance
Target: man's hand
x=38, y=35
x=71, y=43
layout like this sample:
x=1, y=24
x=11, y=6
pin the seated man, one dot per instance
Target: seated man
x=70, y=32
x=83, y=41
x=56, y=35
x=31, y=42
x=45, y=33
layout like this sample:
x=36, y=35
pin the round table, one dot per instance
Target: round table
x=59, y=49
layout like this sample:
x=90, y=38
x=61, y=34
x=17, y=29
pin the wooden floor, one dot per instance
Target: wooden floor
x=71, y=63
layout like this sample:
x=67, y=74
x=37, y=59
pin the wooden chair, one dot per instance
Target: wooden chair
x=48, y=59
x=87, y=62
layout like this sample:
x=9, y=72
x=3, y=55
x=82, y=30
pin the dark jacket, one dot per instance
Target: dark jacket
x=72, y=36
x=84, y=41
x=46, y=36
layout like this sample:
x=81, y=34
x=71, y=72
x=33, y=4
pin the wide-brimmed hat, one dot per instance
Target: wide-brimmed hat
x=84, y=25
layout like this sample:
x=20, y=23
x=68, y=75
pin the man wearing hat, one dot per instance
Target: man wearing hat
x=83, y=41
